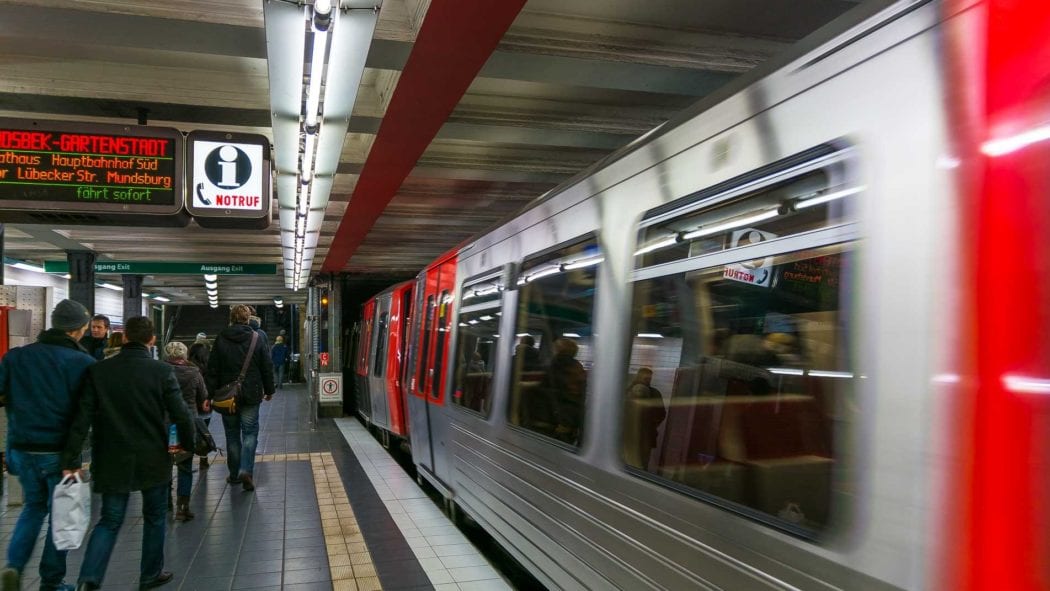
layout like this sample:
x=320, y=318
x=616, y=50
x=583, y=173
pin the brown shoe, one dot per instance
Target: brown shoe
x=247, y=482
x=182, y=510
x=163, y=578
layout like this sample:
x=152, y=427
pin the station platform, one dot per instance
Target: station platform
x=331, y=511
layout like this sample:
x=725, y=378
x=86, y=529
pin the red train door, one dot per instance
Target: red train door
x=436, y=287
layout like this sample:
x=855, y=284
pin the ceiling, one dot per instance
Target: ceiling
x=568, y=83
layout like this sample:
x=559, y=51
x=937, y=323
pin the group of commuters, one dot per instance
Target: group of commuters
x=65, y=384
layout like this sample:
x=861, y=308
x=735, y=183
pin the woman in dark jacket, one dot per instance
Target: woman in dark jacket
x=198, y=355
x=224, y=366
x=195, y=395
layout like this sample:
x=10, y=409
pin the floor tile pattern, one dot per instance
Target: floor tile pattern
x=331, y=510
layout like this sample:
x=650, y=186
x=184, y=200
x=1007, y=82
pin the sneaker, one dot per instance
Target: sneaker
x=10, y=579
x=233, y=479
x=247, y=482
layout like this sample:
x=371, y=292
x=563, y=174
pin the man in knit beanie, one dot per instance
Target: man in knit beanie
x=40, y=383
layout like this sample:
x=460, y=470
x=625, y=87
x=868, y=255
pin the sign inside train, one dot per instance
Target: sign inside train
x=82, y=167
x=230, y=175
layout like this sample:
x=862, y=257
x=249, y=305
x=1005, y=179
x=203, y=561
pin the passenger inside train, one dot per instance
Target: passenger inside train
x=751, y=356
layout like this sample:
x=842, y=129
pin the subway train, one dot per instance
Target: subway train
x=794, y=338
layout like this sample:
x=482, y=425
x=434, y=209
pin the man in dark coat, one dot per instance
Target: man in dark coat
x=125, y=399
x=41, y=383
x=224, y=366
x=97, y=339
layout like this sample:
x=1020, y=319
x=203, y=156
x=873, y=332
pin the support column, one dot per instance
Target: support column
x=82, y=278
x=132, y=296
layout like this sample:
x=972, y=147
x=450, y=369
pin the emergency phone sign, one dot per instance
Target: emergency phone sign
x=230, y=176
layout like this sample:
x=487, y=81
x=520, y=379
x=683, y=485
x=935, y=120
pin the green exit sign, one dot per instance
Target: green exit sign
x=169, y=268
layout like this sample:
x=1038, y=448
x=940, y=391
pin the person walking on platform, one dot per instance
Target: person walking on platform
x=40, y=385
x=239, y=348
x=256, y=324
x=97, y=339
x=195, y=395
x=198, y=356
x=125, y=399
x=279, y=354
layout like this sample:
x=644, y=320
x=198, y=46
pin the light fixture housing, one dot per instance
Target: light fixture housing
x=311, y=110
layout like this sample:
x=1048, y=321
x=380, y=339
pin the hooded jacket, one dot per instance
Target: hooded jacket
x=227, y=357
x=41, y=384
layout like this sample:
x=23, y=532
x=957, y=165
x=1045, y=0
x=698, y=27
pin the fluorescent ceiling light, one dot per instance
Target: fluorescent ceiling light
x=1006, y=145
x=210, y=277
x=731, y=224
x=161, y=298
x=650, y=335
x=821, y=373
x=581, y=264
x=1026, y=385
x=817, y=200
x=571, y=335
x=27, y=267
x=661, y=243
x=111, y=286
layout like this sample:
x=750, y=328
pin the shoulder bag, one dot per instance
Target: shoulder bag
x=225, y=400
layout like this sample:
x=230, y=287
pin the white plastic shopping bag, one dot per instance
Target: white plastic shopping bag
x=70, y=512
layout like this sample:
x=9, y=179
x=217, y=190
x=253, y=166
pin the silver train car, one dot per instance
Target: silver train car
x=743, y=353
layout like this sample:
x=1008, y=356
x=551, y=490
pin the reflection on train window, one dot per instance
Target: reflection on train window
x=738, y=385
x=801, y=203
x=554, y=348
x=476, y=343
x=444, y=310
x=424, y=357
x=381, y=330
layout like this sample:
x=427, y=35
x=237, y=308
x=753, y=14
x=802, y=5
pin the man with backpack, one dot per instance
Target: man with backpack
x=240, y=356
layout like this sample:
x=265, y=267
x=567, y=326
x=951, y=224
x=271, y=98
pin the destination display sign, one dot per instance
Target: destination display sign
x=169, y=268
x=59, y=165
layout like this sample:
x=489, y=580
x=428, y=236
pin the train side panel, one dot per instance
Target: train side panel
x=574, y=515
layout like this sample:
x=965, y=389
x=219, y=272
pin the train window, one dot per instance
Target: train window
x=444, y=311
x=737, y=387
x=424, y=356
x=381, y=329
x=477, y=339
x=406, y=322
x=803, y=198
x=554, y=348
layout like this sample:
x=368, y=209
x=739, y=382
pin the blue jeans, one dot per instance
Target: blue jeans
x=279, y=371
x=38, y=473
x=242, y=433
x=185, y=481
x=104, y=536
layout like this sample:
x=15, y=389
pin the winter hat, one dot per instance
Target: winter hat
x=69, y=316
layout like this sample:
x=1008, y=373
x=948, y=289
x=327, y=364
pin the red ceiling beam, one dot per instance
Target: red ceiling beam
x=455, y=41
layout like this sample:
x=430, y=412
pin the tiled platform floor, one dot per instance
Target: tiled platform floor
x=323, y=516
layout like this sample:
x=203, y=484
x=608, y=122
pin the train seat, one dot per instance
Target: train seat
x=782, y=442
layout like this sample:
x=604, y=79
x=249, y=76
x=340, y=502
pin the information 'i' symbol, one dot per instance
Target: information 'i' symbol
x=228, y=167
